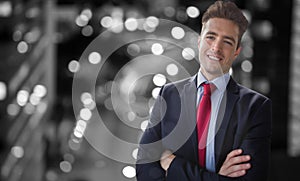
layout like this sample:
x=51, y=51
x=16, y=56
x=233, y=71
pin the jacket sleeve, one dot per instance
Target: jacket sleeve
x=181, y=169
x=150, y=149
x=256, y=141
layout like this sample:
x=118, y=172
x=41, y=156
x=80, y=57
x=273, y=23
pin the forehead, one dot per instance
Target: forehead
x=222, y=27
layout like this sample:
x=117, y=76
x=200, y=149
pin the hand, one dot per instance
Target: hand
x=234, y=165
x=166, y=159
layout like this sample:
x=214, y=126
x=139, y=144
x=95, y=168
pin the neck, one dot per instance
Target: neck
x=209, y=76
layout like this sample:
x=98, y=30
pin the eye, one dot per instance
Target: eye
x=228, y=42
x=210, y=37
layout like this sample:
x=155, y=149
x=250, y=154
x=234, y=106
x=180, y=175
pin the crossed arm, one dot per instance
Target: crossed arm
x=235, y=165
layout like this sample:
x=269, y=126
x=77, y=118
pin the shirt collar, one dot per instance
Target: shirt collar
x=220, y=82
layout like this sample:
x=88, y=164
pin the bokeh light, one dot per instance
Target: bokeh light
x=87, y=12
x=177, y=33
x=152, y=21
x=73, y=66
x=157, y=49
x=135, y=153
x=144, y=125
x=133, y=49
x=40, y=90
x=65, y=166
x=22, y=97
x=17, y=151
x=131, y=116
x=106, y=21
x=85, y=114
x=192, y=11
x=246, y=66
x=188, y=53
x=155, y=92
x=22, y=47
x=159, y=79
x=94, y=58
x=13, y=109
x=172, y=69
x=87, y=31
x=129, y=171
x=131, y=24
x=3, y=90
x=82, y=20
x=169, y=11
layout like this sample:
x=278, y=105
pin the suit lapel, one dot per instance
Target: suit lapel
x=223, y=121
x=189, y=111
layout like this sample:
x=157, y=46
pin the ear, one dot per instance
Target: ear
x=237, y=52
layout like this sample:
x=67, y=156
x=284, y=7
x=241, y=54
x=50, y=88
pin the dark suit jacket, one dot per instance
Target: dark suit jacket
x=244, y=121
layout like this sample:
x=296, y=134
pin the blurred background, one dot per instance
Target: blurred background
x=41, y=49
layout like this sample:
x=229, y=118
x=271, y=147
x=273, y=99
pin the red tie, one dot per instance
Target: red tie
x=203, y=117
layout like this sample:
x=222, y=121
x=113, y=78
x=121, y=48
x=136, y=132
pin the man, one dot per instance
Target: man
x=226, y=138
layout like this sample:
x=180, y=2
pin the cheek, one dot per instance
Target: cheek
x=231, y=54
x=234, y=56
x=205, y=44
x=229, y=61
x=201, y=54
x=203, y=48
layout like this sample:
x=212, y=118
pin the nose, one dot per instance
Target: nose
x=216, y=46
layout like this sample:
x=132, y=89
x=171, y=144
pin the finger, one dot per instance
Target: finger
x=235, y=170
x=237, y=174
x=166, y=154
x=234, y=153
x=238, y=160
x=235, y=164
x=238, y=168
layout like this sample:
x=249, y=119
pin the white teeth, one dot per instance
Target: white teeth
x=214, y=58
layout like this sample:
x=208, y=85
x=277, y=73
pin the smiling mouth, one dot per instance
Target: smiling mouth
x=214, y=58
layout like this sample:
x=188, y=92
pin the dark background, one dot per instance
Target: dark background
x=39, y=40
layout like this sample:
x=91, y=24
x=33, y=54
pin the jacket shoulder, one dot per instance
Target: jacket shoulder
x=179, y=85
x=246, y=92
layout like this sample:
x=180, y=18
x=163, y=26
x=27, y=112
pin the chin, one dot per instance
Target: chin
x=215, y=70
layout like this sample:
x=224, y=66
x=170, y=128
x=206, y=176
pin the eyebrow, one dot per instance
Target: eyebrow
x=226, y=37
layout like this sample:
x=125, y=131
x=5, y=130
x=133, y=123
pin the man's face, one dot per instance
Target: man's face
x=218, y=47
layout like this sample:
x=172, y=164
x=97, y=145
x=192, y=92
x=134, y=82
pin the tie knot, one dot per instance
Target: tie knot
x=208, y=89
